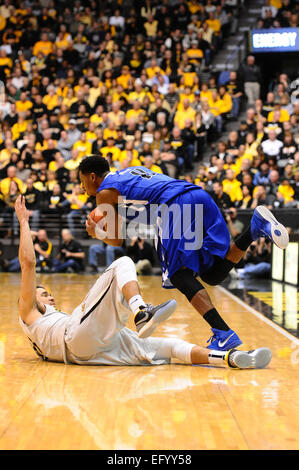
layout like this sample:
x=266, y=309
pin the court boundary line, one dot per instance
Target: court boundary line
x=260, y=315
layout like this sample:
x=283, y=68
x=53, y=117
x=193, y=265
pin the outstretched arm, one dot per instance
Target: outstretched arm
x=27, y=301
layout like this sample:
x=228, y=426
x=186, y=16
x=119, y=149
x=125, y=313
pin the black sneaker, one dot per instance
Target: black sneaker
x=149, y=317
x=256, y=359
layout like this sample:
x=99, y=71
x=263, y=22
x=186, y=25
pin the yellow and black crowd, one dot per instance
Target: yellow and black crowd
x=131, y=80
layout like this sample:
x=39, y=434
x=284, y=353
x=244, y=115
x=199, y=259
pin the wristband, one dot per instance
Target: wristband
x=100, y=233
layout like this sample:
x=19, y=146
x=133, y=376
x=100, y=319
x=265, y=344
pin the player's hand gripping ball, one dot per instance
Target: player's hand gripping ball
x=96, y=218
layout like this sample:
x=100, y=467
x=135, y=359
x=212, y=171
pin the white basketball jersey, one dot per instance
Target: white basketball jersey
x=46, y=334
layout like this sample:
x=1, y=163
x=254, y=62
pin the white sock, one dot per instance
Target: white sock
x=217, y=357
x=135, y=303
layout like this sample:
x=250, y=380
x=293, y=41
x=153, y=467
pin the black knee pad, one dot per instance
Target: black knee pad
x=218, y=272
x=185, y=281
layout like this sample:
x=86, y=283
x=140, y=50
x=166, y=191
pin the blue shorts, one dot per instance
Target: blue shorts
x=190, y=232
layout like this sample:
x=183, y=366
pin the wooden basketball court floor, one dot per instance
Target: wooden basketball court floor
x=51, y=406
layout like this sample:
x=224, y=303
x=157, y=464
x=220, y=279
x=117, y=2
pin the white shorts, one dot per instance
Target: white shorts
x=97, y=333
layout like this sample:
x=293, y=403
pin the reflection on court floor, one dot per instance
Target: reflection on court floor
x=277, y=301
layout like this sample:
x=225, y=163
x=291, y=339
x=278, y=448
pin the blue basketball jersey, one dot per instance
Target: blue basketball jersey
x=141, y=184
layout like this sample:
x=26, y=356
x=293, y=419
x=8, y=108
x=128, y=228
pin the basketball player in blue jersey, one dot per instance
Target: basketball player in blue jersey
x=95, y=333
x=182, y=258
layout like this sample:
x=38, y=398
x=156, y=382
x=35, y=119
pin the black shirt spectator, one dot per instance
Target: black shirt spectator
x=139, y=250
x=221, y=198
x=69, y=247
x=32, y=196
x=38, y=109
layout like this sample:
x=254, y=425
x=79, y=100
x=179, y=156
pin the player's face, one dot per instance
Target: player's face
x=43, y=297
x=88, y=183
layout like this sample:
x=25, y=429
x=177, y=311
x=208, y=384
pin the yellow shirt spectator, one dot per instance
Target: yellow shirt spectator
x=134, y=113
x=151, y=28
x=23, y=106
x=46, y=47
x=233, y=189
x=51, y=101
x=18, y=128
x=72, y=164
x=193, y=6
x=5, y=62
x=2, y=23
x=124, y=78
x=286, y=190
x=215, y=105
x=83, y=147
x=152, y=71
x=115, y=151
x=5, y=184
x=127, y=153
x=134, y=95
x=116, y=117
x=109, y=133
x=80, y=197
x=91, y=136
x=214, y=24
x=5, y=154
x=194, y=55
x=226, y=103
x=45, y=145
x=276, y=3
x=183, y=114
x=284, y=116
x=96, y=119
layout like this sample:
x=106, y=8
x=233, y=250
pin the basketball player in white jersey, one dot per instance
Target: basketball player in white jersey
x=95, y=332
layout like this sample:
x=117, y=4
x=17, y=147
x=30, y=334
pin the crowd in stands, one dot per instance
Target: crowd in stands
x=132, y=80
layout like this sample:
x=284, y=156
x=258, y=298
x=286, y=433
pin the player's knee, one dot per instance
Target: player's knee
x=125, y=262
x=124, y=270
x=185, y=281
x=218, y=272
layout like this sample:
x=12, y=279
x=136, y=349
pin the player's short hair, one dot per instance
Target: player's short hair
x=94, y=164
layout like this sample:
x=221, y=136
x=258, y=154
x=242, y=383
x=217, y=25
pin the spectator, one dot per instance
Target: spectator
x=234, y=225
x=55, y=200
x=43, y=250
x=285, y=193
x=142, y=253
x=262, y=176
x=257, y=261
x=235, y=90
x=260, y=197
x=221, y=198
x=71, y=255
x=108, y=251
x=272, y=146
x=232, y=186
x=76, y=202
x=251, y=76
x=247, y=199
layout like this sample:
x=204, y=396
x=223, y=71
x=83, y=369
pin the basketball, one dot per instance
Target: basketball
x=97, y=218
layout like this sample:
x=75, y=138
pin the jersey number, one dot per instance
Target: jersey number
x=141, y=172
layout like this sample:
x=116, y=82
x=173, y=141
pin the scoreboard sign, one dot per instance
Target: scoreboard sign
x=274, y=40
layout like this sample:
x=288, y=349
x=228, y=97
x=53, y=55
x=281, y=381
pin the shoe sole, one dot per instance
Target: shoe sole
x=159, y=317
x=258, y=359
x=279, y=233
